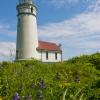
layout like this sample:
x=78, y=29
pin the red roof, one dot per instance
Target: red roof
x=48, y=46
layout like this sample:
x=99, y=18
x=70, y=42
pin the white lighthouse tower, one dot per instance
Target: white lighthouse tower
x=27, y=37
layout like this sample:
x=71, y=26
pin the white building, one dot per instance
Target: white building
x=28, y=46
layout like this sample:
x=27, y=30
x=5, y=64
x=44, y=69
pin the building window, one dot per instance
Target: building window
x=56, y=55
x=46, y=55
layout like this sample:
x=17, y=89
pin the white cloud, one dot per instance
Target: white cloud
x=82, y=25
x=81, y=32
x=95, y=6
x=7, y=50
x=60, y=3
x=5, y=28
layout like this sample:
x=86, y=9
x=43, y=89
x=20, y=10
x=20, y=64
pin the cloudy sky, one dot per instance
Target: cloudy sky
x=73, y=23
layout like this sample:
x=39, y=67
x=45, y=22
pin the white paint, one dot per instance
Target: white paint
x=27, y=38
x=51, y=56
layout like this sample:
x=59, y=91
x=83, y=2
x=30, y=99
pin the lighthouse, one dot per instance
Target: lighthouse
x=27, y=37
x=28, y=46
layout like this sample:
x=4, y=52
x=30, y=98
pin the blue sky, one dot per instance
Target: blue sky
x=73, y=23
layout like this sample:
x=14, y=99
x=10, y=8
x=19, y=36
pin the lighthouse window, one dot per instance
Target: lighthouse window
x=31, y=10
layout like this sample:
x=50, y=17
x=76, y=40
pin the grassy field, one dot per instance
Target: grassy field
x=75, y=79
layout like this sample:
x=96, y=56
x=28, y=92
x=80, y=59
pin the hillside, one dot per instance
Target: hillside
x=75, y=79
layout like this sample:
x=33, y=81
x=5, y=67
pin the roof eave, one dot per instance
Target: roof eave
x=60, y=51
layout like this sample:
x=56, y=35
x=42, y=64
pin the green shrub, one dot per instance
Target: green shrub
x=75, y=79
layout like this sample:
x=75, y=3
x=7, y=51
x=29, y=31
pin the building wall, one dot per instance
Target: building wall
x=51, y=56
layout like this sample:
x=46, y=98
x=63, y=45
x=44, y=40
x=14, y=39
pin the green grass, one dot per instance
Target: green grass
x=75, y=79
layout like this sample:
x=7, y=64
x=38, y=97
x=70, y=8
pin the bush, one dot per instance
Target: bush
x=75, y=79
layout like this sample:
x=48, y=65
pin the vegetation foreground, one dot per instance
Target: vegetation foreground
x=75, y=79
